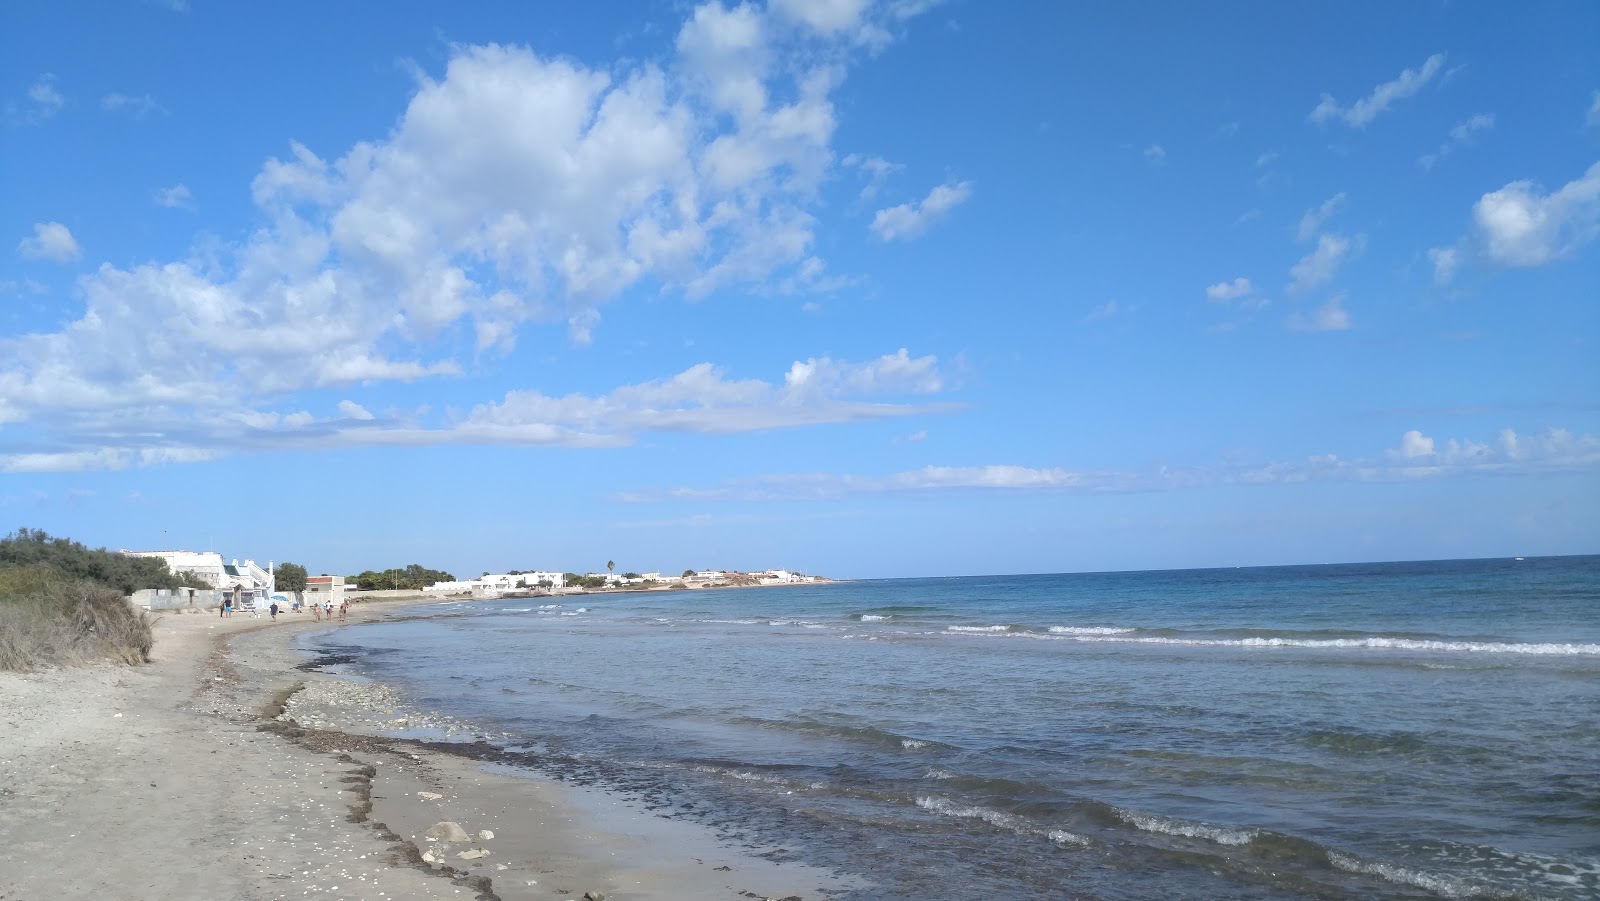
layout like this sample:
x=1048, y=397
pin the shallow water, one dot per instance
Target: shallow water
x=1404, y=730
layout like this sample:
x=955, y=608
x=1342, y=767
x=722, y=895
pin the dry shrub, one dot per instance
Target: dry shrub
x=47, y=621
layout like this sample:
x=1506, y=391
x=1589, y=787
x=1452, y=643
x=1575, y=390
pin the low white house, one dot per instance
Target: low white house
x=500, y=582
x=205, y=564
x=325, y=589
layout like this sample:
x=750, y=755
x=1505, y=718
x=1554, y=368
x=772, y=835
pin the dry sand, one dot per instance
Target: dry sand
x=221, y=771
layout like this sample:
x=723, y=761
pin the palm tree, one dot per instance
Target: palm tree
x=611, y=566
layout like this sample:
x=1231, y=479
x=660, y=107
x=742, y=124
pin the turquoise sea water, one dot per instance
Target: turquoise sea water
x=1395, y=730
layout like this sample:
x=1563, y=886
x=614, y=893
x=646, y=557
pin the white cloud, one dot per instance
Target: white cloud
x=513, y=188
x=176, y=197
x=1417, y=457
x=352, y=410
x=43, y=102
x=1363, y=111
x=1520, y=226
x=1155, y=156
x=1593, y=117
x=1312, y=221
x=1460, y=136
x=1222, y=292
x=828, y=16
x=876, y=169
x=51, y=241
x=699, y=400
x=139, y=107
x=1330, y=317
x=1445, y=260
x=1102, y=312
x=1413, y=444
x=1266, y=159
x=1320, y=265
x=910, y=220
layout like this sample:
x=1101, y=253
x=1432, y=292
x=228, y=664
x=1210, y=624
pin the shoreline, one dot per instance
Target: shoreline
x=230, y=766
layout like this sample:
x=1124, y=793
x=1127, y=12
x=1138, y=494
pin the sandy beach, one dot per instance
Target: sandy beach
x=224, y=770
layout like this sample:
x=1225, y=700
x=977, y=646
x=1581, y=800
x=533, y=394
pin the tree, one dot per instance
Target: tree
x=611, y=566
x=290, y=576
x=687, y=573
x=37, y=548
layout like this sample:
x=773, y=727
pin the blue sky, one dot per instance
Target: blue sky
x=861, y=288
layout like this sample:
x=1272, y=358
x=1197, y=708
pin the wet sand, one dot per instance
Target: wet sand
x=225, y=769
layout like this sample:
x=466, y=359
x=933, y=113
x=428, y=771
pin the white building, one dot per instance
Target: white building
x=207, y=565
x=244, y=580
x=779, y=576
x=325, y=589
x=494, y=583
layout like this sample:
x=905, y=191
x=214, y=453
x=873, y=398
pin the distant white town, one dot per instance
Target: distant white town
x=247, y=583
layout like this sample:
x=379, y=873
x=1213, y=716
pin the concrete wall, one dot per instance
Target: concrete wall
x=176, y=598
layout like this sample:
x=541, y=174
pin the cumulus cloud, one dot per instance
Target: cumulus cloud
x=1384, y=96
x=352, y=410
x=51, y=241
x=910, y=220
x=1312, y=221
x=1222, y=292
x=1330, y=317
x=1320, y=265
x=176, y=197
x=1417, y=457
x=512, y=189
x=1155, y=156
x=1520, y=225
x=43, y=101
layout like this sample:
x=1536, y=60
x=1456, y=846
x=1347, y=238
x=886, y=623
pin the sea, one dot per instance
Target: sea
x=1396, y=730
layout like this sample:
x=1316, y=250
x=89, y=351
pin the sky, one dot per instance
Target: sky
x=864, y=288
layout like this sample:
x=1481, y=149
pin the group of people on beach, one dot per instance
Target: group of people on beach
x=318, y=611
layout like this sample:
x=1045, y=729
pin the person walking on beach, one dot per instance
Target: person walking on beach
x=344, y=610
x=227, y=606
x=316, y=612
x=220, y=608
x=274, y=611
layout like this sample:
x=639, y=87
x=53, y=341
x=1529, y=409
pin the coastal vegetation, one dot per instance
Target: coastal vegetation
x=414, y=577
x=289, y=577
x=62, y=604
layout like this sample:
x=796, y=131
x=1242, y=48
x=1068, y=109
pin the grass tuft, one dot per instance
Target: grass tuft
x=48, y=620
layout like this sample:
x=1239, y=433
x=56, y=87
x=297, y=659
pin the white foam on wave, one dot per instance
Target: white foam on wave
x=733, y=622
x=998, y=819
x=1219, y=834
x=575, y=612
x=936, y=773
x=913, y=744
x=875, y=618
x=1448, y=886
x=1375, y=643
x=949, y=808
